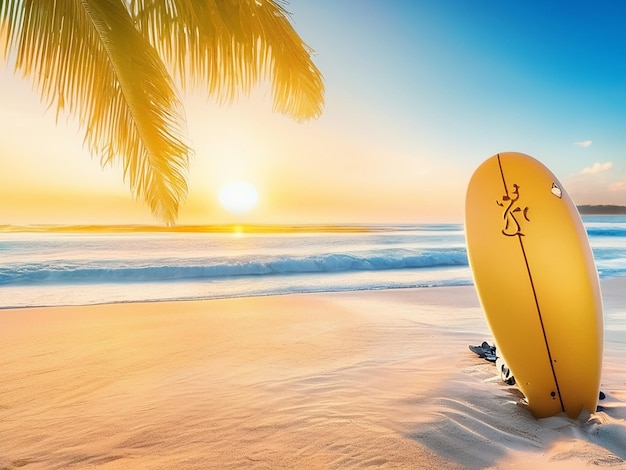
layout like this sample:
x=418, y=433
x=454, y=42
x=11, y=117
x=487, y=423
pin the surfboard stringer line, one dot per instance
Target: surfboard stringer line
x=508, y=216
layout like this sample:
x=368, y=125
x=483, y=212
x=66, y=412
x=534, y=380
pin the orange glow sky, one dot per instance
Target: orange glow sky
x=417, y=97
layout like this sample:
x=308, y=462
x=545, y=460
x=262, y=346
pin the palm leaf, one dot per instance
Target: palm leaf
x=99, y=60
x=230, y=45
x=88, y=58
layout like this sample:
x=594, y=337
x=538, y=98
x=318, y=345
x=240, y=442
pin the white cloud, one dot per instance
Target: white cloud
x=618, y=187
x=596, y=168
x=584, y=143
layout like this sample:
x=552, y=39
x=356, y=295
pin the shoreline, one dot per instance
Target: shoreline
x=328, y=380
x=608, y=281
x=235, y=297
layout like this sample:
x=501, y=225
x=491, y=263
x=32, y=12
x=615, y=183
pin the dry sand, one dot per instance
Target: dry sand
x=363, y=379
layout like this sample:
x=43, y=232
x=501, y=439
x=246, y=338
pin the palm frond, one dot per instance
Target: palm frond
x=230, y=45
x=88, y=58
x=99, y=60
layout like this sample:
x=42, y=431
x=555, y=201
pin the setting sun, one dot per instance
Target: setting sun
x=238, y=197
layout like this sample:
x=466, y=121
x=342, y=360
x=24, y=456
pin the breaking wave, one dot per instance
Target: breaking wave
x=158, y=270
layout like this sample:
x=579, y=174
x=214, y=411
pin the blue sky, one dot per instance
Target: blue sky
x=419, y=93
x=465, y=79
x=466, y=58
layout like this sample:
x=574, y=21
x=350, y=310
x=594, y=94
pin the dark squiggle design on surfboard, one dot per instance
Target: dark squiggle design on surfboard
x=508, y=216
x=509, y=212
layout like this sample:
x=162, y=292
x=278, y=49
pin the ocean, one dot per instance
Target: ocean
x=47, y=268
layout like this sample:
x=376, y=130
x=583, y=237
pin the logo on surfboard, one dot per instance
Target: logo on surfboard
x=556, y=190
x=512, y=211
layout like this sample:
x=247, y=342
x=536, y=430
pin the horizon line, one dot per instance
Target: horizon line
x=236, y=228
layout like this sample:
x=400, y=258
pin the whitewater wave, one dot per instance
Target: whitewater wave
x=167, y=269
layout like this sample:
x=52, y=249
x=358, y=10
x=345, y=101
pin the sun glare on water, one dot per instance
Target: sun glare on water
x=238, y=197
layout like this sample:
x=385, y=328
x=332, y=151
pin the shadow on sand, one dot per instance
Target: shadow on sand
x=478, y=423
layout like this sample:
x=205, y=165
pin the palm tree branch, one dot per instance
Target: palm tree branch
x=231, y=45
x=87, y=57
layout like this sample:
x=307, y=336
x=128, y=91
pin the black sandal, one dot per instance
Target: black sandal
x=484, y=350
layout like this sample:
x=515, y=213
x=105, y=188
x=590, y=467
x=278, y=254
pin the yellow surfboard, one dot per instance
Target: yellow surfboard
x=537, y=282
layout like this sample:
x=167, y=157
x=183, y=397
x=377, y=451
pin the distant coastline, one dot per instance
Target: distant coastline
x=602, y=210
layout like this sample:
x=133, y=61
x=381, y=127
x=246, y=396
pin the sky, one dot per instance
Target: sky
x=418, y=94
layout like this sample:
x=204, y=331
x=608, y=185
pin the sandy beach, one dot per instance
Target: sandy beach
x=380, y=379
